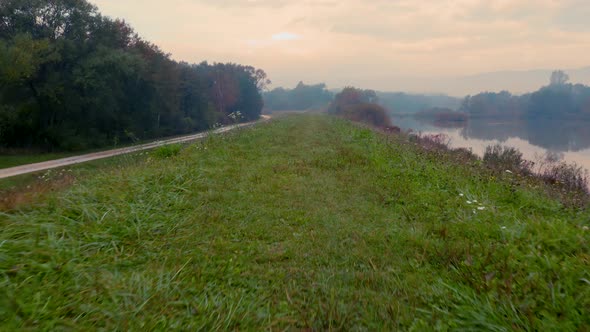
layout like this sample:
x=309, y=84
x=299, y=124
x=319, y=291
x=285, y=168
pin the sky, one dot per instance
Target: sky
x=401, y=45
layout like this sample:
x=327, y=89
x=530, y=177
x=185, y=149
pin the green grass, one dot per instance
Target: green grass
x=17, y=159
x=22, y=182
x=7, y=161
x=307, y=222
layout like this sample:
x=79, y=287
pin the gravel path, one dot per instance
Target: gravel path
x=32, y=168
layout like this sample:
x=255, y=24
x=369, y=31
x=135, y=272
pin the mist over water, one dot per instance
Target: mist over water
x=571, y=139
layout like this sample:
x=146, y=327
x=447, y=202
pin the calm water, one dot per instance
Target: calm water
x=571, y=139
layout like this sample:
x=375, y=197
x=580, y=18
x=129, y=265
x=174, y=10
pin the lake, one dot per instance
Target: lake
x=571, y=139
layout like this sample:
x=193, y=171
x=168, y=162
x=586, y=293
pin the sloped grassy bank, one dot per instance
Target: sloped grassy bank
x=306, y=222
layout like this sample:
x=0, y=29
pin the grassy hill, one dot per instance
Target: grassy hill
x=308, y=222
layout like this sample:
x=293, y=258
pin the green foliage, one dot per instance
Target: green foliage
x=304, y=223
x=302, y=97
x=71, y=79
x=167, y=151
x=490, y=104
x=22, y=56
x=559, y=100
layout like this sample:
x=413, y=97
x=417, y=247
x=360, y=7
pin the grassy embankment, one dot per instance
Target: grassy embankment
x=18, y=158
x=31, y=188
x=306, y=222
x=39, y=183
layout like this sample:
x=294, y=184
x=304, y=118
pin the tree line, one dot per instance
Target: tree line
x=400, y=102
x=302, y=97
x=558, y=100
x=73, y=79
x=317, y=96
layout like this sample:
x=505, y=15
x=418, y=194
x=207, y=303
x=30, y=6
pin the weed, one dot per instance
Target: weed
x=432, y=141
x=570, y=177
x=167, y=151
x=501, y=158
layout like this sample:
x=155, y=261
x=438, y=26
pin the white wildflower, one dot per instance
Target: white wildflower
x=469, y=202
x=508, y=171
x=481, y=208
x=503, y=227
x=461, y=195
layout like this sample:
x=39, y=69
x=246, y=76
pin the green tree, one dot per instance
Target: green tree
x=72, y=79
x=360, y=105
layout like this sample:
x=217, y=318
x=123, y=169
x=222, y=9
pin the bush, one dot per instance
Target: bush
x=570, y=177
x=566, y=182
x=368, y=113
x=361, y=106
x=167, y=151
x=433, y=142
x=503, y=158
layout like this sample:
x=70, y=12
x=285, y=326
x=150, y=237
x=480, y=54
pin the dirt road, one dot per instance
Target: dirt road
x=32, y=168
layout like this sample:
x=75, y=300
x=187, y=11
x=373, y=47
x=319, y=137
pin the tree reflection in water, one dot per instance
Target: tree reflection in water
x=532, y=137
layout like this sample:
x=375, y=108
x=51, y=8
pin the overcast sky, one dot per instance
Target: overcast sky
x=375, y=44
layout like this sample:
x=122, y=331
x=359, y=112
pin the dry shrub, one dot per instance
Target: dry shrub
x=439, y=145
x=392, y=130
x=567, y=182
x=463, y=155
x=11, y=199
x=432, y=141
x=568, y=176
x=501, y=158
x=368, y=113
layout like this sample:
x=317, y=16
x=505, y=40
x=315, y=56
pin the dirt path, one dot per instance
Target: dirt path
x=32, y=168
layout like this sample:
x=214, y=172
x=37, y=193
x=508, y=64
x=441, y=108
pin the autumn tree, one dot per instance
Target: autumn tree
x=360, y=105
x=73, y=79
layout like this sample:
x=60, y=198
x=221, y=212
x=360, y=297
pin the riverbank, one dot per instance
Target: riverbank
x=308, y=221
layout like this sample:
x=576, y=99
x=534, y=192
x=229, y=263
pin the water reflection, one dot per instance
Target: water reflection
x=533, y=138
